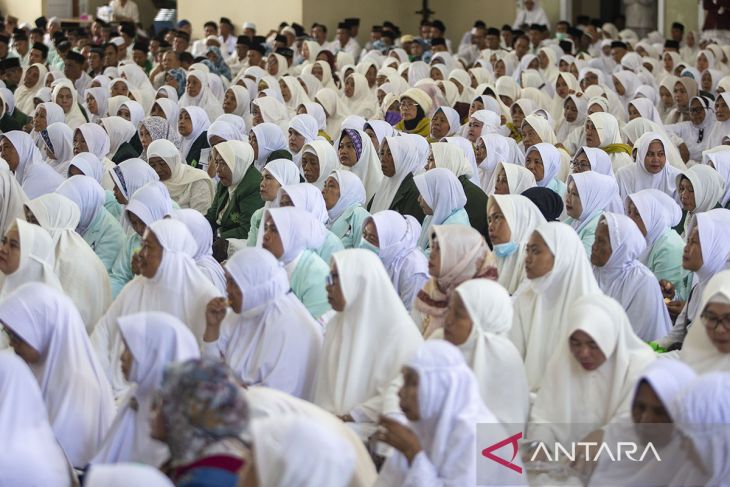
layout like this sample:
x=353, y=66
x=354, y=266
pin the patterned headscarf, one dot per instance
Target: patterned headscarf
x=180, y=77
x=356, y=141
x=202, y=404
x=219, y=66
x=159, y=128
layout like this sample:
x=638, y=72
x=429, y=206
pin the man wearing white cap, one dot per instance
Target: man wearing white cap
x=249, y=29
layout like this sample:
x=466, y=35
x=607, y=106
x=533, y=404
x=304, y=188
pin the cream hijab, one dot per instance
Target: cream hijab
x=74, y=117
x=24, y=95
x=183, y=175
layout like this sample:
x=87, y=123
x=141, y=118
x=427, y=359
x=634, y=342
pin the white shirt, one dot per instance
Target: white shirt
x=129, y=10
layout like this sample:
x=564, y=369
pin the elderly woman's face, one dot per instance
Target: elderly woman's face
x=31, y=77
x=160, y=167
x=539, y=260
x=184, y=123
x=8, y=152
x=225, y=175
x=271, y=240
x=592, y=138
x=229, y=102
x=531, y=136
x=573, y=205
x=64, y=98
x=40, y=122
x=716, y=318
x=150, y=254
x=533, y=162
x=335, y=296
x=497, y=226
x=586, y=351
x=601, y=250
x=124, y=113
x=10, y=251
x=692, y=259
x=269, y=186
x=408, y=109
x=193, y=86
x=120, y=89
x=458, y=323
x=234, y=293
x=258, y=117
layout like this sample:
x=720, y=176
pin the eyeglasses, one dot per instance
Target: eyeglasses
x=331, y=279
x=696, y=110
x=580, y=166
x=713, y=321
x=406, y=103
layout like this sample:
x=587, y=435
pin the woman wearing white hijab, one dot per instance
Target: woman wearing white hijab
x=87, y=285
x=194, y=136
x=397, y=191
x=120, y=133
x=293, y=93
x=318, y=160
x=699, y=189
x=491, y=149
x=50, y=335
x=356, y=153
x=651, y=170
x=198, y=94
x=442, y=199
x=591, y=159
x=302, y=130
x=28, y=437
x=477, y=322
x=12, y=199
x=66, y=96
x=510, y=179
x=269, y=110
x=91, y=137
x=588, y=195
x=368, y=339
x=543, y=160
x=358, y=98
x=558, y=274
x=591, y=374
x=128, y=177
x=695, y=132
x=266, y=138
x=169, y=281
x=58, y=143
x=27, y=88
x=334, y=109
x=511, y=220
x=720, y=161
x=200, y=229
x=44, y=115
x=188, y=187
x=268, y=338
x=437, y=446
x=602, y=130
x=344, y=198
x=621, y=275
x=25, y=161
x=152, y=340
x=96, y=104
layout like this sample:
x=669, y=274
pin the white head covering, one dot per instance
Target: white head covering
x=327, y=157
x=27, y=436
x=58, y=140
x=363, y=101
x=522, y=217
x=131, y=175
x=200, y=121
x=154, y=339
x=365, y=344
x=119, y=130
x=597, y=193
x=498, y=150
x=35, y=177
x=630, y=282
x=658, y=211
x=519, y=178
x=550, y=161
x=122, y=474
x=599, y=160
x=136, y=112
x=96, y=138
x=306, y=126
x=442, y=191
x=89, y=197
x=352, y=194
x=298, y=229
x=635, y=177
x=274, y=341
x=23, y=95
x=406, y=161
x=721, y=161
x=708, y=186
x=12, y=199
x=451, y=157
x=205, y=99
x=273, y=111
x=542, y=304
x=74, y=117
x=182, y=175
x=202, y=232
x=78, y=397
x=269, y=138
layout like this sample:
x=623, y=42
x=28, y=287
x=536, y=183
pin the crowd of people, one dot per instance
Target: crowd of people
x=288, y=260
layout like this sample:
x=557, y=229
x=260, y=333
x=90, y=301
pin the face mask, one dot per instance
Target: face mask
x=393, y=117
x=505, y=250
x=364, y=244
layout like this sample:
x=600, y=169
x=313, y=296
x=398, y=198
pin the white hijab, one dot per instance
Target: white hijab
x=542, y=304
x=574, y=402
x=519, y=178
x=27, y=436
x=182, y=175
x=720, y=160
x=635, y=177
x=58, y=140
x=630, y=282
x=405, y=161
x=75, y=390
x=200, y=121
x=119, y=130
x=269, y=138
x=443, y=193
x=74, y=117
x=274, y=341
x=12, y=199
x=154, y=339
x=87, y=285
x=363, y=101
x=205, y=99
x=202, y=232
x=327, y=157
x=23, y=95
x=659, y=212
x=499, y=150
x=35, y=177
x=708, y=187
x=597, y=193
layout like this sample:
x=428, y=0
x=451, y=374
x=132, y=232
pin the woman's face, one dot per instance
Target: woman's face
x=371, y=75
x=124, y=113
x=370, y=233
x=702, y=63
x=439, y=125
x=254, y=143
x=157, y=111
x=458, y=323
x=10, y=251
x=349, y=87
x=506, y=100
x=296, y=141
x=272, y=65
x=269, y=186
x=234, y=293
x=144, y=136
x=570, y=111
x=573, y=206
x=581, y=164
x=258, y=117
x=692, y=255
x=619, y=86
x=655, y=158
x=161, y=168
x=184, y=123
x=706, y=81
x=716, y=317
x=681, y=98
x=497, y=226
x=531, y=136
x=500, y=69
x=592, y=138
x=317, y=72
x=79, y=143
x=594, y=108
x=476, y=105
x=150, y=254
x=229, y=102
x=475, y=130
x=31, y=77
x=346, y=152
x=601, y=250
x=534, y=163
x=586, y=351
x=225, y=175
x=387, y=164
x=539, y=260
x=271, y=240
x=501, y=185
x=696, y=112
x=518, y=116
x=120, y=89
x=331, y=192
x=722, y=112
x=408, y=109
x=436, y=74
x=193, y=86
x=687, y=194
x=633, y=213
x=633, y=112
x=561, y=87
x=40, y=122
x=373, y=138
x=427, y=210
x=408, y=395
x=335, y=296
x=285, y=91
x=8, y=152
x=171, y=81
x=666, y=96
x=91, y=104
x=668, y=62
x=480, y=150
x=65, y=99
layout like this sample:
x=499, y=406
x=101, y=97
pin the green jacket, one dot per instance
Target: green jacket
x=405, y=200
x=236, y=219
x=8, y=123
x=21, y=118
x=476, y=206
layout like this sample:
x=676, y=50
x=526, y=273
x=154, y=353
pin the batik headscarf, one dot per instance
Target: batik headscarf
x=179, y=75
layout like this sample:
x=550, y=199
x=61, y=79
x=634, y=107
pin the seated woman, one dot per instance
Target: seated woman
x=620, y=275
x=200, y=229
x=168, y=281
x=489, y=151
x=121, y=132
x=45, y=114
x=444, y=122
x=465, y=256
x=128, y=177
x=651, y=170
x=156, y=128
x=291, y=235
x=266, y=139
x=393, y=238
x=96, y=103
x=206, y=404
x=269, y=338
x=91, y=137
x=192, y=125
x=602, y=131
x=706, y=347
x=696, y=131
x=344, y=197
x=558, y=274
x=436, y=446
x=58, y=146
x=720, y=160
x=368, y=339
x=510, y=179
x=25, y=161
x=237, y=194
x=477, y=321
x=591, y=159
x=482, y=122
x=588, y=195
x=152, y=340
x=414, y=105
x=188, y=187
x=397, y=191
x=318, y=160
x=357, y=154
x=65, y=95
x=442, y=199
x=46, y=331
x=592, y=373
x=302, y=130
x=699, y=189
x=511, y=220
x=28, y=436
x=656, y=215
x=543, y=160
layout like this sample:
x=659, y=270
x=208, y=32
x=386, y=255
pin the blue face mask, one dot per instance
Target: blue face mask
x=364, y=244
x=505, y=249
